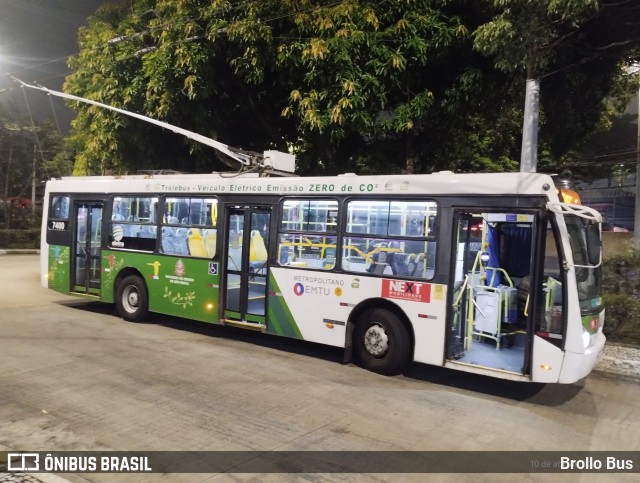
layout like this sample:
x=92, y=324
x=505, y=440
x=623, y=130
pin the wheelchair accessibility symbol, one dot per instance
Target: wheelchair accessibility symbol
x=213, y=268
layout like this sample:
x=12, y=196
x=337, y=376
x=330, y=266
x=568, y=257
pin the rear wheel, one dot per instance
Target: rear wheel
x=382, y=342
x=132, y=300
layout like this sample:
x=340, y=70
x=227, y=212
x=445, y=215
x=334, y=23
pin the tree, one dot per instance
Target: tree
x=348, y=85
x=27, y=154
x=579, y=48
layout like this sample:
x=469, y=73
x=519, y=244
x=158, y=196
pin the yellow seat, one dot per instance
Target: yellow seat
x=257, y=249
x=210, y=242
x=196, y=243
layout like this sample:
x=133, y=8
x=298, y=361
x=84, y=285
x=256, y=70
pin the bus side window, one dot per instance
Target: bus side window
x=307, y=233
x=60, y=208
x=550, y=324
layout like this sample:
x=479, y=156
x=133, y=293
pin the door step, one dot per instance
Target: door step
x=245, y=325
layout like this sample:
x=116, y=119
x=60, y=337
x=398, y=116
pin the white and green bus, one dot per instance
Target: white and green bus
x=483, y=273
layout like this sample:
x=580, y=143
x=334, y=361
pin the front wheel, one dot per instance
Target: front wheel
x=382, y=342
x=132, y=300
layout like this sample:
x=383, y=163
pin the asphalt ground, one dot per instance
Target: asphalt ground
x=616, y=360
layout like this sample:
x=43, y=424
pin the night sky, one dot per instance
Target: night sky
x=36, y=37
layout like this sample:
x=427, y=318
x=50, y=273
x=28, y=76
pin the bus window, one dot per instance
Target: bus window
x=390, y=238
x=550, y=324
x=59, y=208
x=307, y=233
x=132, y=225
x=189, y=227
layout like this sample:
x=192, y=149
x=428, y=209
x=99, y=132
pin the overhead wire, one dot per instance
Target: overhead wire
x=35, y=133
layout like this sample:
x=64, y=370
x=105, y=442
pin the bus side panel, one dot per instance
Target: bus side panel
x=308, y=305
x=279, y=317
x=428, y=315
x=547, y=361
x=59, y=269
x=317, y=305
x=182, y=287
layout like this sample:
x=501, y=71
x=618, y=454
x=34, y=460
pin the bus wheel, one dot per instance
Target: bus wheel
x=382, y=342
x=132, y=300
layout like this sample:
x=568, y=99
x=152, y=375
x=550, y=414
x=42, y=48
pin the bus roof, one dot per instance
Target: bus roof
x=219, y=183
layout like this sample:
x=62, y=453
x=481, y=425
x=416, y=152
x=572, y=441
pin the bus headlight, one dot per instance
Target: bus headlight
x=586, y=338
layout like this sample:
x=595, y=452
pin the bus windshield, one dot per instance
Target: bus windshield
x=586, y=246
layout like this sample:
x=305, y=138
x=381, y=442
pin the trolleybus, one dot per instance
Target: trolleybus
x=483, y=273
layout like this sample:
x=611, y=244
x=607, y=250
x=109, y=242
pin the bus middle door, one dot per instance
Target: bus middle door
x=247, y=265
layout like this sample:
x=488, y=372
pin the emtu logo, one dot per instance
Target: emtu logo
x=298, y=289
x=23, y=461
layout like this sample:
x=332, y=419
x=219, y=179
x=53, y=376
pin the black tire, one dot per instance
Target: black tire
x=132, y=299
x=382, y=342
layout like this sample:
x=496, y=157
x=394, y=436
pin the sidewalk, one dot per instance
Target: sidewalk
x=619, y=360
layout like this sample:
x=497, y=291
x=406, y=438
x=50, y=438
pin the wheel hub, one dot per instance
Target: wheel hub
x=133, y=299
x=376, y=341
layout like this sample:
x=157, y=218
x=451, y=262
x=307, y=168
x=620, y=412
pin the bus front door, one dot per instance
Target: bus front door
x=491, y=266
x=86, y=247
x=247, y=264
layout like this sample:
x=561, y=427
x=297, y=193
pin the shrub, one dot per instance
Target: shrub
x=621, y=293
x=20, y=238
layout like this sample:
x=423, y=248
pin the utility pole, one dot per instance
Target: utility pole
x=529, y=151
x=33, y=182
x=636, y=213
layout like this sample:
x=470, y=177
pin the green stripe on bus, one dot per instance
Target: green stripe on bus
x=281, y=321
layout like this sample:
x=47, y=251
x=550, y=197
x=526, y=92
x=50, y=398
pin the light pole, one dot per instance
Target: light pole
x=636, y=213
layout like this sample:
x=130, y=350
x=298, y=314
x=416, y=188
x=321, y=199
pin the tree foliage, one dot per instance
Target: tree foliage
x=348, y=85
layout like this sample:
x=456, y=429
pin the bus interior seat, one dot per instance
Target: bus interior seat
x=130, y=230
x=378, y=263
x=195, y=243
x=257, y=249
x=147, y=231
x=398, y=264
x=180, y=246
x=210, y=242
x=166, y=240
x=257, y=252
x=419, y=265
x=411, y=263
x=285, y=255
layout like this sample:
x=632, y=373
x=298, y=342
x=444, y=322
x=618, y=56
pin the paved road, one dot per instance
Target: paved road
x=75, y=377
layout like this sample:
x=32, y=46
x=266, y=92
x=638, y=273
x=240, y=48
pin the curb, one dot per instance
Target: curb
x=19, y=251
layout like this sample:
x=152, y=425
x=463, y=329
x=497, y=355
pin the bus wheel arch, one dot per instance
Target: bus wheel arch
x=382, y=337
x=131, y=296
